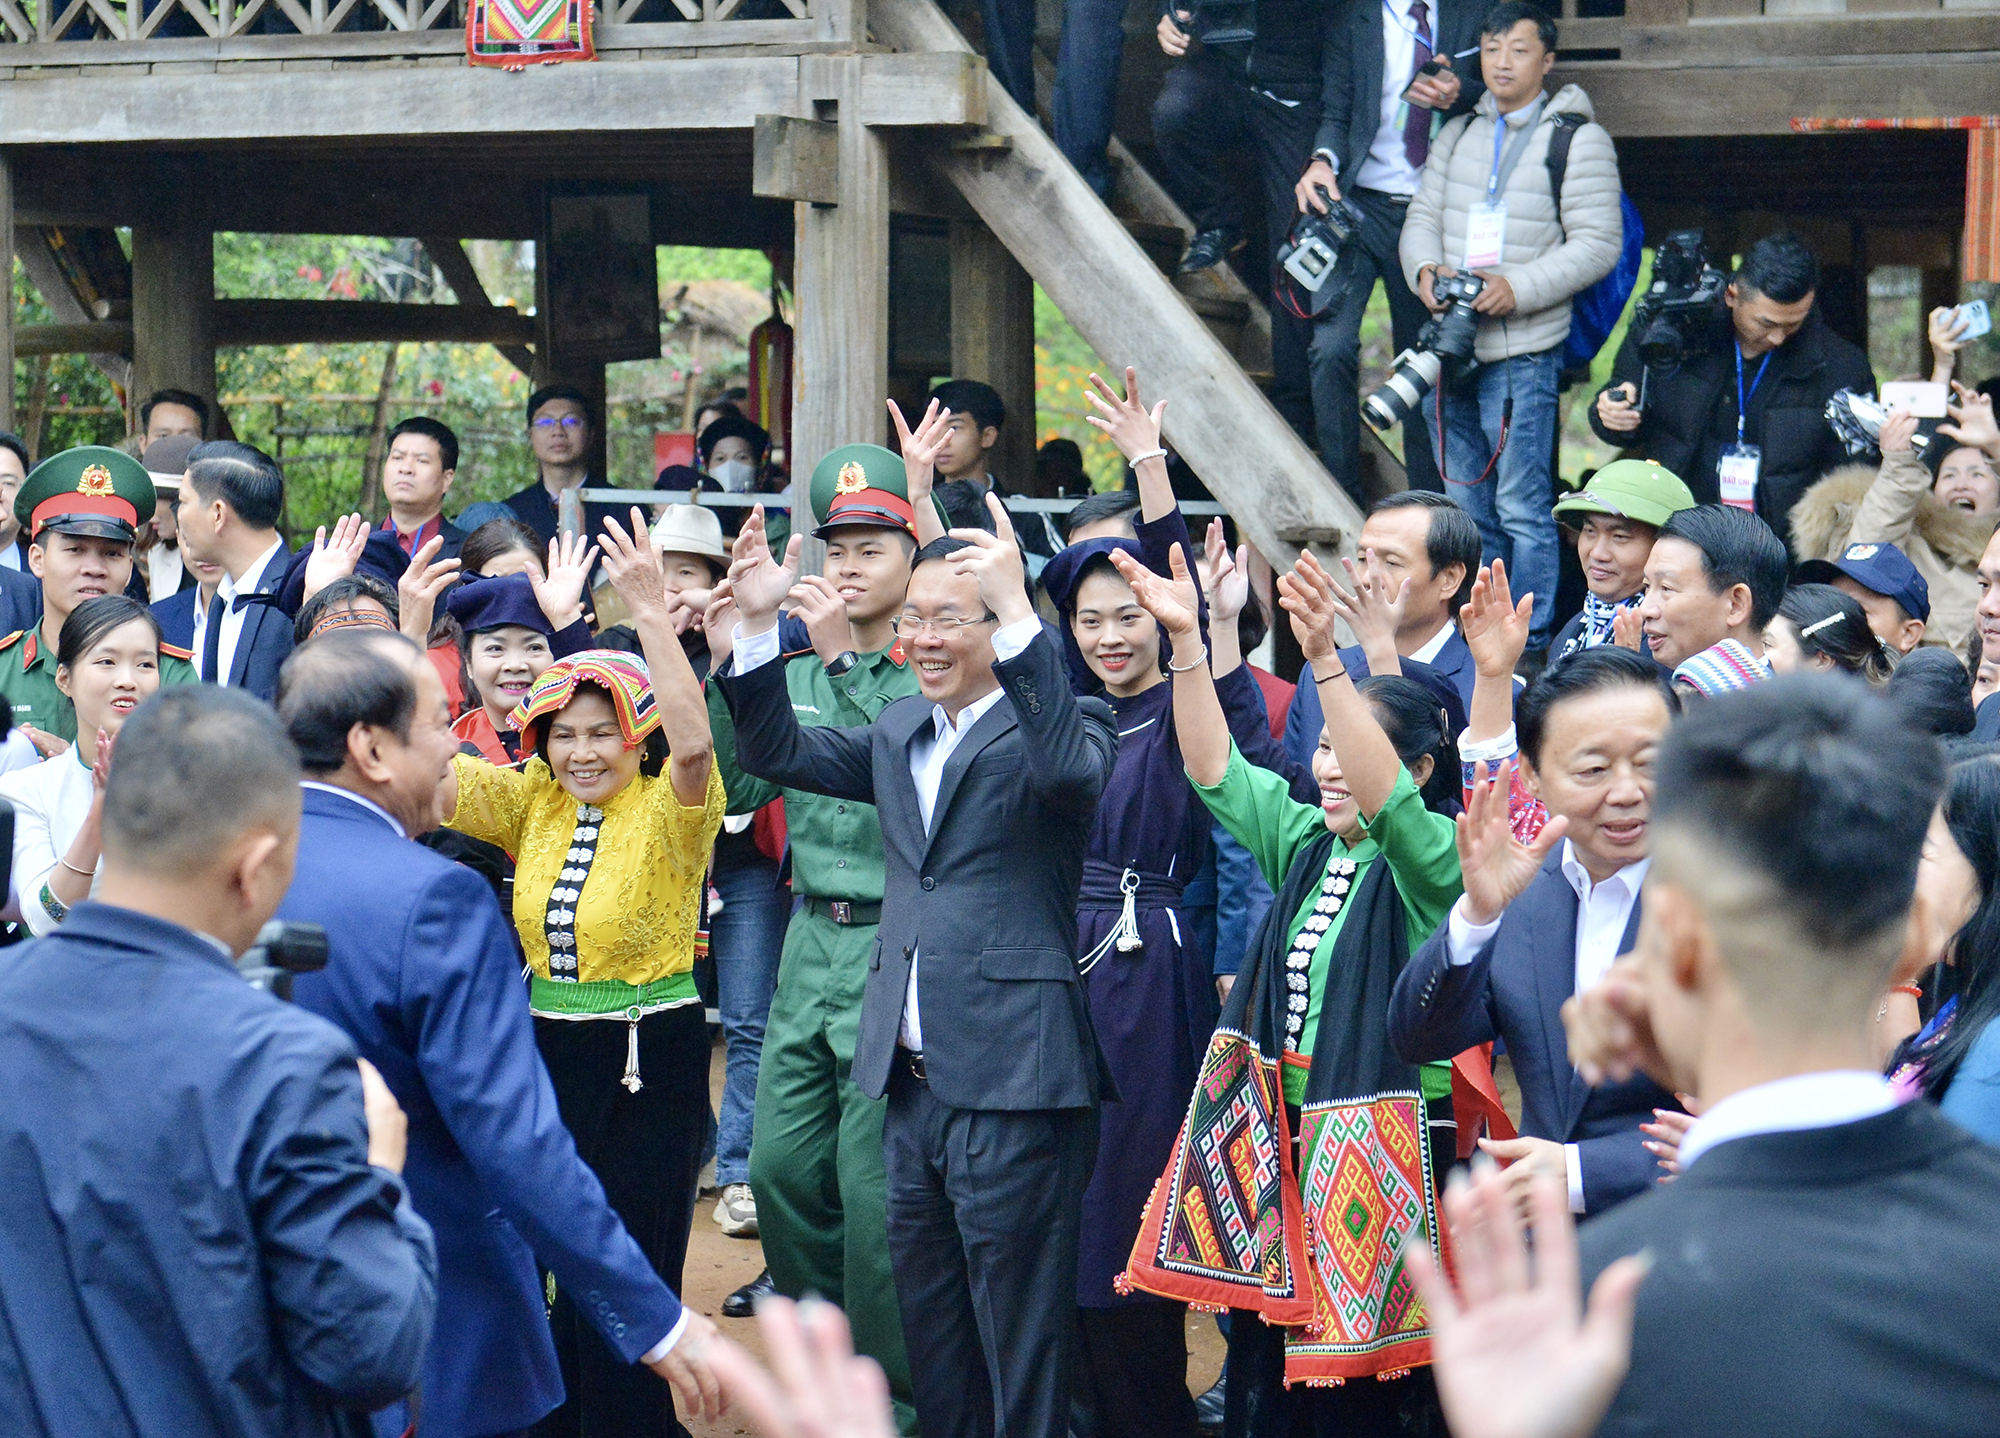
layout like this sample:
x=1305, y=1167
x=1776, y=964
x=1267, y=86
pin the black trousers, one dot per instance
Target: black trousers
x=1205, y=109
x=985, y=1209
x=1131, y=1379
x=1336, y=347
x=645, y=1148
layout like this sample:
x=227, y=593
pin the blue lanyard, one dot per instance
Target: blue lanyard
x=1743, y=400
x=1500, y=144
x=1404, y=23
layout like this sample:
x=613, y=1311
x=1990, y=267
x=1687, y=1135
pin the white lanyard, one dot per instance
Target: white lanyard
x=1500, y=128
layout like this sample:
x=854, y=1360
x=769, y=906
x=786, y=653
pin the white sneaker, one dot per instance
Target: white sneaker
x=736, y=1211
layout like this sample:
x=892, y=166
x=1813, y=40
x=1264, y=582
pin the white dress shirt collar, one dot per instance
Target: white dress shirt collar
x=253, y=576
x=1434, y=645
x=1786, y=1105
x=363, y=800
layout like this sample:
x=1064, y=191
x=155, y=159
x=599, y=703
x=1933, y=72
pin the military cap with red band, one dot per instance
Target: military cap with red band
x=863, y=484
x=92, y=490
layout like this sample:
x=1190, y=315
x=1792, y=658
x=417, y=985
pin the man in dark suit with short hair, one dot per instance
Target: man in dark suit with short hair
x=1539, y=922
x=1824, y=1263
x=228, y=515
x=417, y=472
x=974, y=1020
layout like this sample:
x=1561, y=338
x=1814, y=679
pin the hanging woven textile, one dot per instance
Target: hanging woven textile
x=514, y=34
x=771, y=382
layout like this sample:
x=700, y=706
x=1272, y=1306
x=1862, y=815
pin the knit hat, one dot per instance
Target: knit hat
x=623, y=676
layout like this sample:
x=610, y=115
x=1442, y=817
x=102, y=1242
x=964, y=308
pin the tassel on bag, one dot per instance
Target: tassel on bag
x=1124, y=935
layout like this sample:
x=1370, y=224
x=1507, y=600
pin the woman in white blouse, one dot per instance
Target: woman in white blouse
x=107, y=662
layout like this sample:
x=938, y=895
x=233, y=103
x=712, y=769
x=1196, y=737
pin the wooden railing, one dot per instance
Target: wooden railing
x=82, y=32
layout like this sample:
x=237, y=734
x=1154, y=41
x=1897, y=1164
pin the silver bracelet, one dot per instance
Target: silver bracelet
x=81, y=873
x=1136, y=460
x=1173, y=668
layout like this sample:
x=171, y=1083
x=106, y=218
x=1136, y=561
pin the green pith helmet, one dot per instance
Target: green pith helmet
x=1641, y=489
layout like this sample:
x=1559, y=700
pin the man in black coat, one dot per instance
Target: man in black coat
x=1371, y=148
x=1824, y=1263
x=203, y=1224
x=1770, y=343
x=974, y=1020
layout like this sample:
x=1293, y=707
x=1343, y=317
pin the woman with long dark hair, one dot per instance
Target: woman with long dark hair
x=1955, y=1060
x=1818, y=628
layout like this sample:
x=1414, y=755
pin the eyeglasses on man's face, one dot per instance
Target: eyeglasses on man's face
x=909, y=626
x=566, y=421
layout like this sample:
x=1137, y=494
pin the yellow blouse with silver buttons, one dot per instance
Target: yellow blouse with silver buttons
x=631, y=896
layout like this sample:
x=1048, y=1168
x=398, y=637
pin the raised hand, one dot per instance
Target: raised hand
x=560, y=592
x=334, y=556
x=1610, y=1027
x=425, y=578
x=1306, y=592
x=100, y=768
x=1372, y=610
x=718, y=622
x=759, y=581
x=1497, y=867
x=1515, y=1353
x=633, y=565
x=1628, y=629
x=816, y=601
x=1899, y=427
x=921, y=446
x=1665, y=1133
x=822, y=1390
x=1228, y=580
x=995, y=561
x=1172, y=602
x=1972, y=420
x=1132, y=427
x=1494, y=626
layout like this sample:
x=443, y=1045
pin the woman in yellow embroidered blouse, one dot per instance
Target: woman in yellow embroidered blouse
x=610, y=824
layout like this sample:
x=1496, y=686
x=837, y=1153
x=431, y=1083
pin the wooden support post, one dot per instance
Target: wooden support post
x=840, y=374
x=993, y=339
x=7, y=311
x=173, y=288
x=553, y=368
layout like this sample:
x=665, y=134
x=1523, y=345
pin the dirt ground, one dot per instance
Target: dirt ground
x=717, y=1266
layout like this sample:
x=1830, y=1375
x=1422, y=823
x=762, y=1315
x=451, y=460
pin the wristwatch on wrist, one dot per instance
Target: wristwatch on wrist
x=838, y=666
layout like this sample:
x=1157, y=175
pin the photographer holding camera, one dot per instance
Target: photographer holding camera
x=1389, y=72
x=1489, y=243
x=1732, y=396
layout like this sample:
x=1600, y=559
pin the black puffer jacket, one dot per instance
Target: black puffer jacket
x=1690, y=413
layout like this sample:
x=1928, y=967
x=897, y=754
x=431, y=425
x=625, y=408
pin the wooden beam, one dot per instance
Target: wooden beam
x=796, y=159
x=173, y=285
x=291, y=322
x=1076, y=250
x=1763, y=42
x=720, y=93
x=76, y=337
x=840, y=373
x=456, y=267
x=993, y=339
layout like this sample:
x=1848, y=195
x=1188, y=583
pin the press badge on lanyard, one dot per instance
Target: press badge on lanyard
x=1737, y=468
x=1486, y=224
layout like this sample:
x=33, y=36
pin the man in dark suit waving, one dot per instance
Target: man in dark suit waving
x=974, y=1021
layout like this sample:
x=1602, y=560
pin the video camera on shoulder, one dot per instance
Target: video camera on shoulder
x=284, y=950
x=1672, y=317
x=1311, y=252
x=1443, y=348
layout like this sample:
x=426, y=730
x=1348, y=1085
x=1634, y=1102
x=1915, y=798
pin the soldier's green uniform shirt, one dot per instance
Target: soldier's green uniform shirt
x=28, y=683
x=836, y=843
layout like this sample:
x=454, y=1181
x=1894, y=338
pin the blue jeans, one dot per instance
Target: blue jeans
x=745, y=940
x=1512, y=505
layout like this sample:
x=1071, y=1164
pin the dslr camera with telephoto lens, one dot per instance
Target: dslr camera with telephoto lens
x=1443, y=347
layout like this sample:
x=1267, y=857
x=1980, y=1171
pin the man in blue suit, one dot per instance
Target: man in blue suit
x=228, y=515
x=1429, y=540
x=1539, y=922
x=424, y=976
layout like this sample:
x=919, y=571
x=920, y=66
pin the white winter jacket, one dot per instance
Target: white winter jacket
x=1544, y=261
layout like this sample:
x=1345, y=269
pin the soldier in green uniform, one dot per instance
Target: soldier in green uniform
x=816, y=1158
x=80, y=510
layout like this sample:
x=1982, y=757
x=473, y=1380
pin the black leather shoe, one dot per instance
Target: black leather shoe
x=1208, y=1408
x=1208, y=249
x=743, y=1302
